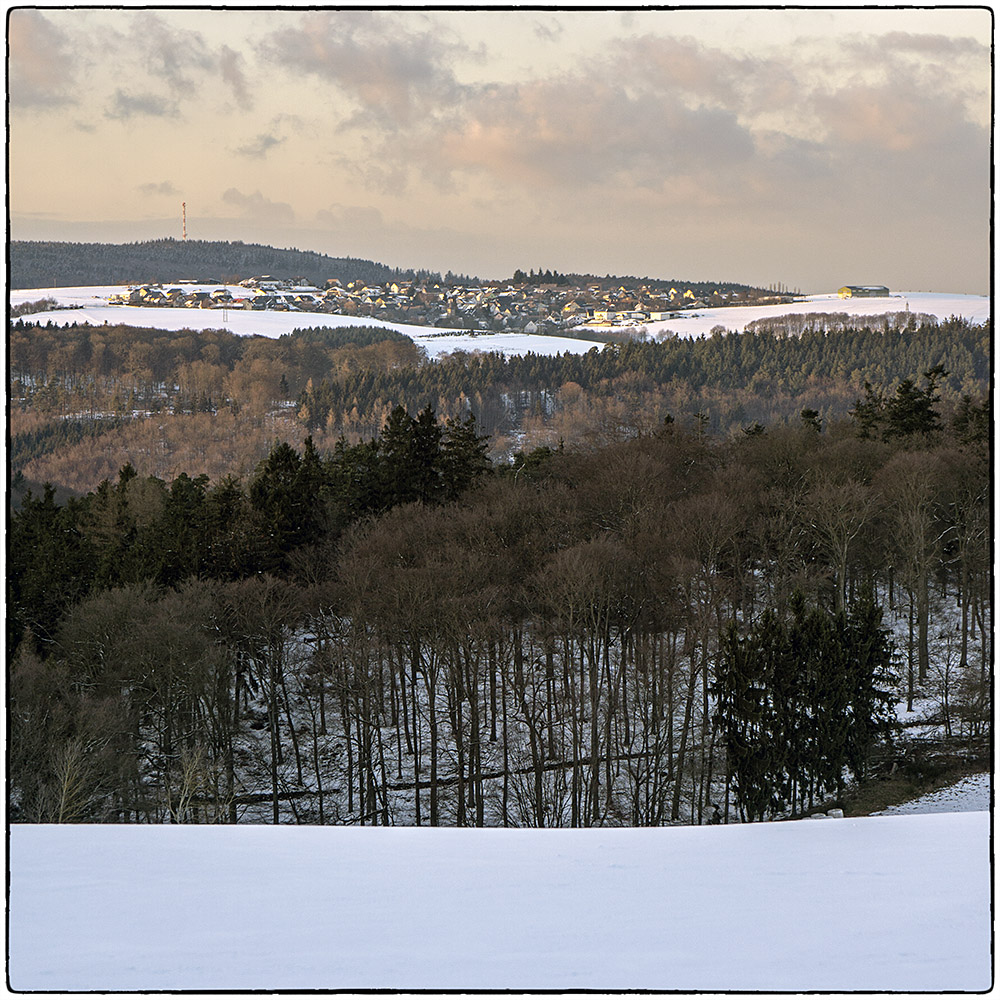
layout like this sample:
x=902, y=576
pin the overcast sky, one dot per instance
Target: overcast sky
x=809, y=147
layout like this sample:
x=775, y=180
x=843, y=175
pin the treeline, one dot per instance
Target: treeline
x=701, y=289
x=397, y=632
x=732, y=379
x=26, y=445
x=46, y=264
x=94, y=370
x=346, y=381
x=86, y=401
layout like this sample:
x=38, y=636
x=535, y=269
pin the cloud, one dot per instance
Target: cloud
x=550, y=31
x=125, y=107
x=395, y=69
x=589, y=131
x=908, y=111
x=351, y=219
x=681, y=68
x=176, y=64
x=924, y=45
x=162, y=188
x=677, y=127
x=175, y=56
x=185, y=59
x=259, y=147
x=42, y=66
x=258, y=208
x=231, y=68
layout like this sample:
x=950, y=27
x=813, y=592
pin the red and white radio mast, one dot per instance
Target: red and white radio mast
x=184, y=221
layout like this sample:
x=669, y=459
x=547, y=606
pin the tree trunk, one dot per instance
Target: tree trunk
x=923, y=627
x=414, y=662
x=675, y=805
x=430, y=680
x=595, y=745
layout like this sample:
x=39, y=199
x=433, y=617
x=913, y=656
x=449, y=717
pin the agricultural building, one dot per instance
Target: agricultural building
x=863, y=292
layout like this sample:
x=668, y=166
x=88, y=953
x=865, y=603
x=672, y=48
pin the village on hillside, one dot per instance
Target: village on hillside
x=532, y=308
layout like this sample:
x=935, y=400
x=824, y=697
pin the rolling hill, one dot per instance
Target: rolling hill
x=35, y=264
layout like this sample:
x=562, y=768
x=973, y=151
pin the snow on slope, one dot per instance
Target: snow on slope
x=89, y=305
x=971, y=794
x=975, y=308
x=896, y=903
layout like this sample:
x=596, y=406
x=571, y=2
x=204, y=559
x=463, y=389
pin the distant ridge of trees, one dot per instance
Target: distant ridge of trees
x=611, y=281
x=205, y=403
x=54, y=264
x=47, y=264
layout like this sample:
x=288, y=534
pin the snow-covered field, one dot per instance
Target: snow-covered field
x=897, y=903
x=89, y=305
x=975, y=308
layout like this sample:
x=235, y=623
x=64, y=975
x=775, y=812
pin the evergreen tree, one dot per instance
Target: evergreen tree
x=182, y=530
x=801, y=700
x=50, y=566
x=870, y=683
x=971, y=421
x=276, y=494
x=912, y=410
x=463, y=456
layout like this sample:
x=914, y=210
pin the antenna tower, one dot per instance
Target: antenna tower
x=184, y=221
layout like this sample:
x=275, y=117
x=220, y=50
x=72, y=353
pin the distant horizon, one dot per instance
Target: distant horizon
x=779, y=145
x=789, y=288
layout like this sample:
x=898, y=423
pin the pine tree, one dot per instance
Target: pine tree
x=276, y=494
x=463, y=456
x=801, y=701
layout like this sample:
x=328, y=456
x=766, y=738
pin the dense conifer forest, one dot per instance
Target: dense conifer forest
x=701, y=608
x=45, y=264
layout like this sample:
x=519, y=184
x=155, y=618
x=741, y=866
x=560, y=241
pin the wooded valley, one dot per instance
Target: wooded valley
x=689, y=616
x=86, y=401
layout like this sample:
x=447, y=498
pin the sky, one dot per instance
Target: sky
x=812, y=147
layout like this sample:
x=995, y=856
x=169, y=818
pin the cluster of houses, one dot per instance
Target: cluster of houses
x=529, y=307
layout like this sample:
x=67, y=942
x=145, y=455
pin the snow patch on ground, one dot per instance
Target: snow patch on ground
x=896, y=903
x=971, y=794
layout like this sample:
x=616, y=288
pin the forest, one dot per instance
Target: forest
x=676, y=625
x=50, y=264
x=47, y=264
x=86, y=401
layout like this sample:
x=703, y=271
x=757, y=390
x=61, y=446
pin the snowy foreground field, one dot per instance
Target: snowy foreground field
x=89, y=305
x=897, y=903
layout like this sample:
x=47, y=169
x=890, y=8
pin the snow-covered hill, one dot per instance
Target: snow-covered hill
x=89, y=305
x=898, y=903
x=975, y=308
